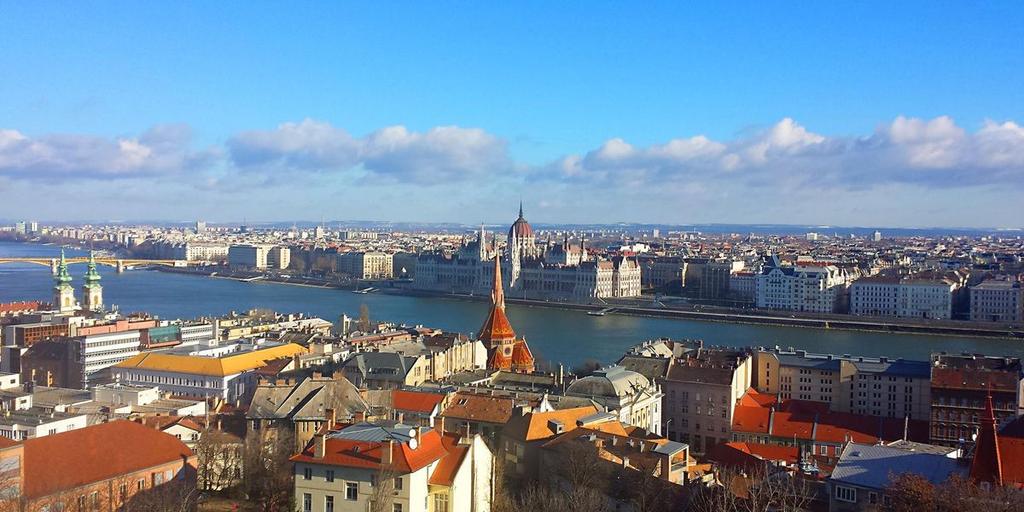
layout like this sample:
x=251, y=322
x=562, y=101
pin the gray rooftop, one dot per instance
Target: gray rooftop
x=873, y=466
x=370, y=432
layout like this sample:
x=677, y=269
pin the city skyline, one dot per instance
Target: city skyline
x=451, y=115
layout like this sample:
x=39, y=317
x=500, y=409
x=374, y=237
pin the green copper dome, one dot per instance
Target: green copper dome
x=92, y=277
x=63, y=278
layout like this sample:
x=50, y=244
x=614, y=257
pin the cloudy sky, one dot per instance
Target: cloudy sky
x=803, y=113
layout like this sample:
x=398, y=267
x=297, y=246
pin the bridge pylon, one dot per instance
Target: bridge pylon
x=53, y=266
x=120, y=266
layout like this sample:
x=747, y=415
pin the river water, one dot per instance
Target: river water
x=555, y=335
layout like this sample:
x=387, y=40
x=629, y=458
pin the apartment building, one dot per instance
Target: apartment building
x=399, y=468
x=960, y=385
x=279, y=257
x=248, y=256
x=997, y=300
x=929, y=295
x=657, y=272
x=366, y=265
x=893, y=388
x=807, y=288
x=701, y=391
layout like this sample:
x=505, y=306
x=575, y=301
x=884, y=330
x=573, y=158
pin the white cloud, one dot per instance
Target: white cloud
x=441, y=153
x=161, y=150
x=933, y=153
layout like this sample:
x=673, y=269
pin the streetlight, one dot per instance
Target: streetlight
x=667, y=422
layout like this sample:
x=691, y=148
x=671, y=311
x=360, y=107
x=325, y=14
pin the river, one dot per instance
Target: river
x=554, y=335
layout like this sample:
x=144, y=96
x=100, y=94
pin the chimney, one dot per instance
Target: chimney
x=467, y=431
x=439, y=424
x=359, y=416
x=771, y=420
x=331, y=418
x=386, y=452
x=319, y=445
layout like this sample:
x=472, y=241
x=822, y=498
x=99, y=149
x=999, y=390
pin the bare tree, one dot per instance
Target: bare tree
x=267, y=478
x=218, y=460
x=759, y=489
x=913, y=493
x=363, y=324
x=383, y=495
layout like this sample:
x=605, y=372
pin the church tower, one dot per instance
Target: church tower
x=92, y=291
x=63, y=292
x=506, y=352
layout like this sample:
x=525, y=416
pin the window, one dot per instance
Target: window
x=307, y=473
x=328, y=503
x=873, y=498
x=141, y=484
x=351, y=491
x=330, y=476
x=307, y=502
x=848, y=494
x=397, y=507
x=441, y=502
x=398, y=483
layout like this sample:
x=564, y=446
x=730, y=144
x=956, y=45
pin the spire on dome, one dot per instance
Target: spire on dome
x=986, y=465
x=520, y=208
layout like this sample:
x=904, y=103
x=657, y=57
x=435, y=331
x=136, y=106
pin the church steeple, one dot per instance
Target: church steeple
x=987, y=465
x=92, y=291
x=63, y=293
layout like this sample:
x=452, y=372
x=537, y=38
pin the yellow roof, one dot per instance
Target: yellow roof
x=215, y=366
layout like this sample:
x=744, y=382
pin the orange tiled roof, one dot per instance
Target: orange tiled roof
x=448, y=467
x=59, y=462
x=813, y=421
x=534, y=426
x=484, y=408
x=417, y=401
x=367, y=454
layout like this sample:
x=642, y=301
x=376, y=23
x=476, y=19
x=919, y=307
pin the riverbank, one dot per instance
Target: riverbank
x=852, y=324
x=834, y=322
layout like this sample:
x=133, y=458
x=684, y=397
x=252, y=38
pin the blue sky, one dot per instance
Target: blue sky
x=896, y=113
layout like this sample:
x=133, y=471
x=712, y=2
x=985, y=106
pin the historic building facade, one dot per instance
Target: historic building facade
x=531, y=270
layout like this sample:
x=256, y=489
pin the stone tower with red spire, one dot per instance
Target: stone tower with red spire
x=506, y=351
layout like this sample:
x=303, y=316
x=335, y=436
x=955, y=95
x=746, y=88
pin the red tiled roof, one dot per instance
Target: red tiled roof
x=7, y=443
x=9, y=307
x=367, y=454
x=813, y=421
x=751, y=454
x=59, y=462
x=415, y=400
x=448, y=467
x=485, y=408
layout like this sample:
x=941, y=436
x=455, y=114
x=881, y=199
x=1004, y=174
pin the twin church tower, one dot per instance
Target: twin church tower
x=64, y=294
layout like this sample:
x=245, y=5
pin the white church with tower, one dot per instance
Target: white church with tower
x=64, y=299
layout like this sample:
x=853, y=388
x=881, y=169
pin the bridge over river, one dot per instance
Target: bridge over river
x=118, y=263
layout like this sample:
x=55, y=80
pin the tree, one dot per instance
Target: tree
x=297, y=265
x=760, y=489
x=363, y=324
x=913, y=493
x=383, y=494
x=587, y=367
x=218, y=460
x=267, y=478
